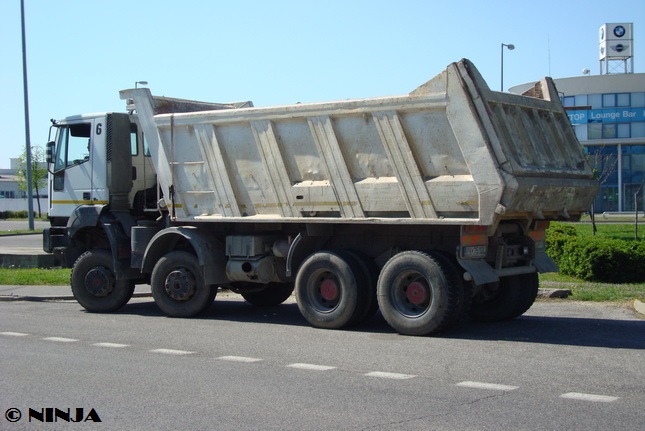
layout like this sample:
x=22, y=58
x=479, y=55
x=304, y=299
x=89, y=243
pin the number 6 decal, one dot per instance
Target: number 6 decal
x=99, y=128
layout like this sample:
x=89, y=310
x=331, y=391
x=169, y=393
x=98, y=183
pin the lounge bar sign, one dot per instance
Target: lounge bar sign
x=620, y=115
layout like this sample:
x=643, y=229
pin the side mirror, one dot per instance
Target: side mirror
x=51, y=146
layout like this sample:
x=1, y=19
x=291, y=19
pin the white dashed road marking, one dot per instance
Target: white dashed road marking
x=313, y=367
x=239, y=359
x=60, y=339
x=589, y=397
x=172, y=352
x=112, y=345
x=491, y=386
x=384, y=375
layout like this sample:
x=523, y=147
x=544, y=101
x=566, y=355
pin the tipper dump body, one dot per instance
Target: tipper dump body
x=452, y=151
x=428, y=206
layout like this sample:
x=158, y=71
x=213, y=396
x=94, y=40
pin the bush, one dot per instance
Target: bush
x=556, y=237
x=596, y=258
x=4, y=215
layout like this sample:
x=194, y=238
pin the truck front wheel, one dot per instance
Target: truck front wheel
x=177, y=284
x=94, y=285
x=416, y=295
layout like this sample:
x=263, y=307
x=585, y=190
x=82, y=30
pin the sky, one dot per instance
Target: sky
x=80, y=53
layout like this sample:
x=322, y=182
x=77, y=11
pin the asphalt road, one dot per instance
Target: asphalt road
x=22, y=244
x=562, y=366
x=8, y=225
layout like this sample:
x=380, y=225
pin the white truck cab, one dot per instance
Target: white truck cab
x=82, y=163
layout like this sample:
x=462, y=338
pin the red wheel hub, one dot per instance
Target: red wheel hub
x=329, y=290
x=417, y=293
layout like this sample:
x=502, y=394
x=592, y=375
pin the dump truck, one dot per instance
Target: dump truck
x=428, y=206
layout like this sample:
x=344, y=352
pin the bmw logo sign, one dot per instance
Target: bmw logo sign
x=619, y=31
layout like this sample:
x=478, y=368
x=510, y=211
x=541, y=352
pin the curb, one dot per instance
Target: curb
x=639, y=306
x=45, y=261
x=45, y=298
x=554, y=293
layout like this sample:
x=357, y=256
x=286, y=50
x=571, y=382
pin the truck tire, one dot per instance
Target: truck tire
x=178, y=285
x=463, y=289
x=415, y=294
x=368, y=304
x=528, y=284
x=94, y=285
x=327, y=290
x=511, y=297
x=272, y=294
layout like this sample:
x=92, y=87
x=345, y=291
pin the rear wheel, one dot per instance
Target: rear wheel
x=415, y=294
x=368, y=303
x=178, y=285
x=463, y=290
x=327, y=290
x=507, y=299
x=271, y=294
x=94, y=284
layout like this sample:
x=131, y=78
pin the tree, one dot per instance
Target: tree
x=38, y=172
x=603, y=161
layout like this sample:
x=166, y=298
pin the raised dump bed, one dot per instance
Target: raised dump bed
x=451, y=151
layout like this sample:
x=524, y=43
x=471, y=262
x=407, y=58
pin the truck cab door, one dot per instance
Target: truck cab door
x=79, y=172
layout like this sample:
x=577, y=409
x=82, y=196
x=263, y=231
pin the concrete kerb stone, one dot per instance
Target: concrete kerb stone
x=554, y=293
x=45, y=298
x=639, y=306
x=52, y=293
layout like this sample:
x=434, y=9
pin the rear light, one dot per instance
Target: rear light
x=474, y=242
x=538, y=234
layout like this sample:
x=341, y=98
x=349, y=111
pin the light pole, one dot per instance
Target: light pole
x=510, y=47
x=30, y=191
x=140, y=82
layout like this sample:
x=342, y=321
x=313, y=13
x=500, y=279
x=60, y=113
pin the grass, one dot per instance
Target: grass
x=20, y=232
x=611, y=230
x=589, y=291
x=34, y=276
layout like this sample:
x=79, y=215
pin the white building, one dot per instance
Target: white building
x=607, y=112
x=14, y=199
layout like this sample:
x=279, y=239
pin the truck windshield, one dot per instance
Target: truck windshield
x=72, y=145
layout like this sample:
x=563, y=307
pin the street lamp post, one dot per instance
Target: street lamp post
x=140, y=82
x=30, y=191
x=510, y=47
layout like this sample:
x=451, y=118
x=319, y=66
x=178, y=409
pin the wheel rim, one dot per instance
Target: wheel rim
x=324, y=291
x=99, y=281
x=180, y=284
x=411, y=294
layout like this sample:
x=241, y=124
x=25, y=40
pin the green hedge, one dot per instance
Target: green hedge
x=593, y=258
x=4, y=215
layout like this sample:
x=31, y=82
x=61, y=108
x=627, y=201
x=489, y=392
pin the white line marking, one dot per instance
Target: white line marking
x=14, y=334
x=113, y=345
x=492, y=386
x=238, y=359
x=384, y=375
x=172, y=352
x=60, y=339
x=589, y=397
x=313, y=367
